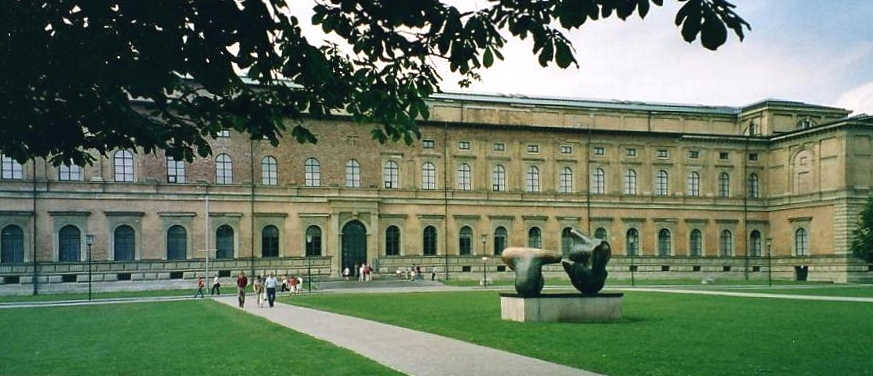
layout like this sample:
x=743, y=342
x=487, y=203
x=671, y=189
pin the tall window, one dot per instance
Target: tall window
x=726, y=243
x=391, y=173
x=11, y=245
x=724, y=185
x=311, y=172
x=270, y=241
x=353, y=174
x=801, y=242
x=175, y=170
x=392, y=241
x=10, y=168
x=598, y=182
x=533, y=179
x=534, y=238
x=694, y=184
x=600, y=233
x=498, y=178
x=464, y=179
x=630, y=182
x=122, y=162
x=567, y=241
x=313, y=241
x=69, y=172
x=664, y=242
x=124, y=242
x=499, y=240
x=661, y=183
x=566, y=185
x=465, y=241
x=755, y=244
x=429, y=241
x=223, y=169
x=224, y=242
x=69, y=245
x=633, y=242
x=177, y=243
x=428, y=176
x=754, y=187
x=696, y=242
x=269, y=171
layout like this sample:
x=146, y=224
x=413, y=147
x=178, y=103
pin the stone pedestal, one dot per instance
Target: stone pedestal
x=561, y=307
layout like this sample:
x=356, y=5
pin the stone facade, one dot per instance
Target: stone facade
x=520, y=170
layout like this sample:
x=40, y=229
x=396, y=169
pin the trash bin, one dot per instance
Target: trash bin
x=801, y=271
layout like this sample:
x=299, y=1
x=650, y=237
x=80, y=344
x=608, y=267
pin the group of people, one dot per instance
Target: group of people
x=362, y=272
x=414, y=272
x=264, y=288
x=216, y=287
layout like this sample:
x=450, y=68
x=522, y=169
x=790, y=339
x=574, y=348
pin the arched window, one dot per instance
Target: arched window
x=801, y=242
x=534, y=238
x=464, y=178
x=122, y=162
x=428, y=176
x=661, y=183
x=70, y=243
x=353, y=174
x=11, y=245
x=269, y=171
x=754, y=186
x=392, y=241
x=69, y=172
x=696, y=242
x=694, y=184
x=598, y=182
x=429, y=241
x=498, y=178
x=664, y=243
x=177, y=243
x=313, y=241
x=600, y=233
x=533, y=179
x=630, y=182
x=175, y=170
x=124, y=242
x=724, y=185
x=391, y=173
x=633, y=242
x=566, y=184
x=465, y=241
x=311, y=173
x=726, y=243
x=224, y=242
x=567, y=241
x=270, y=241
x=10, y=168
x=499, y=240
x=755, y=244
x=223, y=169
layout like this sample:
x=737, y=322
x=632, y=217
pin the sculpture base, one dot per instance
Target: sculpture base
x=561, y=307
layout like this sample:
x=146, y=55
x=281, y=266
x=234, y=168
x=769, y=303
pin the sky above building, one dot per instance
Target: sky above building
x=812, y=51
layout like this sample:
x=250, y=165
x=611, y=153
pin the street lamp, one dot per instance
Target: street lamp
x=308, y=262
x=769, y=263
x=484, y=272
x=89, y=240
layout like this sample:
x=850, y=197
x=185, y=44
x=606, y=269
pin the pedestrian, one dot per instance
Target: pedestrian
x=346, y=273
x=369, y=272
x=241, y=283
x=216, y=286
x=284, y=284
x=433, y=273
x=200, y=285
x=271, y=285
x=357, y=270
x=299, y=284
x=361, y=273
x=258, y=286
x=293, y=282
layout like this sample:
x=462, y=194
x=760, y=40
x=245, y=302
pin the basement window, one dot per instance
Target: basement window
x=726, y=268
x=224, y=273
x=175, y=275
x=466, y=269
x=68, y=278
x=501, y=268
x=11, y=280
x=695, y=268
x=123, y=276
x=665, y=268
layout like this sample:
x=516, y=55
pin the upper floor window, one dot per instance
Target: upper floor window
x=10, y=168
x=311, y=173
x=693, y=154
x=498, y=146
x=428, y=144
x=498, y=178
x=566, y=149
x=631, y=152
x=805, y=123
x=223, y=169
x=663, y=153
x=224, y=133
x=122, y=162
x=175, y=170
x=724, y=185
x=465, y=145
x=353, y=174
x=630, y=182
x=533, y=179
x=69, y=172
x=694, y=184
x=391, y=174
x=753, y=156
x=269, y=171
x=566, y=184
x=464, y=178
x=661, y=183
x=428, y=176
x=754, y=186
x=723, y=155
x=598, y=183
x=599, y=151
x=533, y=148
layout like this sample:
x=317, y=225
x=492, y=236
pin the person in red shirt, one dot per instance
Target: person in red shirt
x=241, y=283
x=200, y=286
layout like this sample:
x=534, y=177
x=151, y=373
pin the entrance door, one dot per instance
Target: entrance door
x=354, y=245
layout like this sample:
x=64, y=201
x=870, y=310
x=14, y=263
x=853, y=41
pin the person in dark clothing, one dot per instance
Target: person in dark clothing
x=241, y=283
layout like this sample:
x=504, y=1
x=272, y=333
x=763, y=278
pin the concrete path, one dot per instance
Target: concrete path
x=408, y=351
x=751, y=294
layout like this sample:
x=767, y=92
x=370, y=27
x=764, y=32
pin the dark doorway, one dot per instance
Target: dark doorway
x=354, y=245
x=224, y=242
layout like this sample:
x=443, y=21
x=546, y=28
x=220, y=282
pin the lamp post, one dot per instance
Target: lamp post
x=308, y=263
x=89, y=240
x=769, y=263
x=484, y=272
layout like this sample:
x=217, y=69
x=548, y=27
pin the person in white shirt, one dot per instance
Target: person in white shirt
x=216, y=286
x=271, y=283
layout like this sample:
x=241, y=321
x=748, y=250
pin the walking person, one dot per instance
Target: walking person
x=293, y=282
x=258, y=285
x=241, y=283
x=271, y=285
x=357, y=271
x=299, y=284
x=346, y=273
x=216, y=286
x=200, y=285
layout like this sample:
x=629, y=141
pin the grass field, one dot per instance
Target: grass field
x=660, y=334
x=171, y=338
x=643, y=282
x=865, y=291
x=104, y=295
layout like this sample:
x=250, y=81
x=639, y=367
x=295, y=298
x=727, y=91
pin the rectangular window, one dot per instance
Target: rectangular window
x=466, y=269
x=428, y=144
x=663, y=153
x=726, y=268
x=695, y=268
x=753, y=156
x=756, y=268
x=533, y=148
x=175, y=170
x=631, y=152
x=11, y=169
x=465, y=145
x=123, y=276
x=566, y=149
x=175, y=275
x=723, y=155
x=224, y=273
x=67, y=278
x=69, y=172
x=599, y=151
x=224, y=133
x=665, y=268
x=693, y=154
x=498, y=146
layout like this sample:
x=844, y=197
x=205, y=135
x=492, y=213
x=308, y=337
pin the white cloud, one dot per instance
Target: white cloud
x=859, y=99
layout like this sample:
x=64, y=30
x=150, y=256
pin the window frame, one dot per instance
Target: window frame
x=223, y=169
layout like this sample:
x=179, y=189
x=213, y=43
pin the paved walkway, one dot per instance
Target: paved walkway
x=751, y=294
x=408, y=351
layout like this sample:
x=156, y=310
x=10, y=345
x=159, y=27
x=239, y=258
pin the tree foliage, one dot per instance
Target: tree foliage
x=165, y=74
x=862, y=236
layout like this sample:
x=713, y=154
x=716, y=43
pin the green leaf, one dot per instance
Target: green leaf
x=487, y=58
x=563, y=55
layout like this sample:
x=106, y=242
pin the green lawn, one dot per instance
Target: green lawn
x=643, y=282
x=660, y=334
x=103, y=295
x=853, y=291
x=169, y=338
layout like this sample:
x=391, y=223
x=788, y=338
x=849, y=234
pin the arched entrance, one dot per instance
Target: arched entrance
x=354, y=245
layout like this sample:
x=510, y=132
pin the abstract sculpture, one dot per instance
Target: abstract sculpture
x=527, y=264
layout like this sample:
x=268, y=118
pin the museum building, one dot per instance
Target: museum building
x=772, y=189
